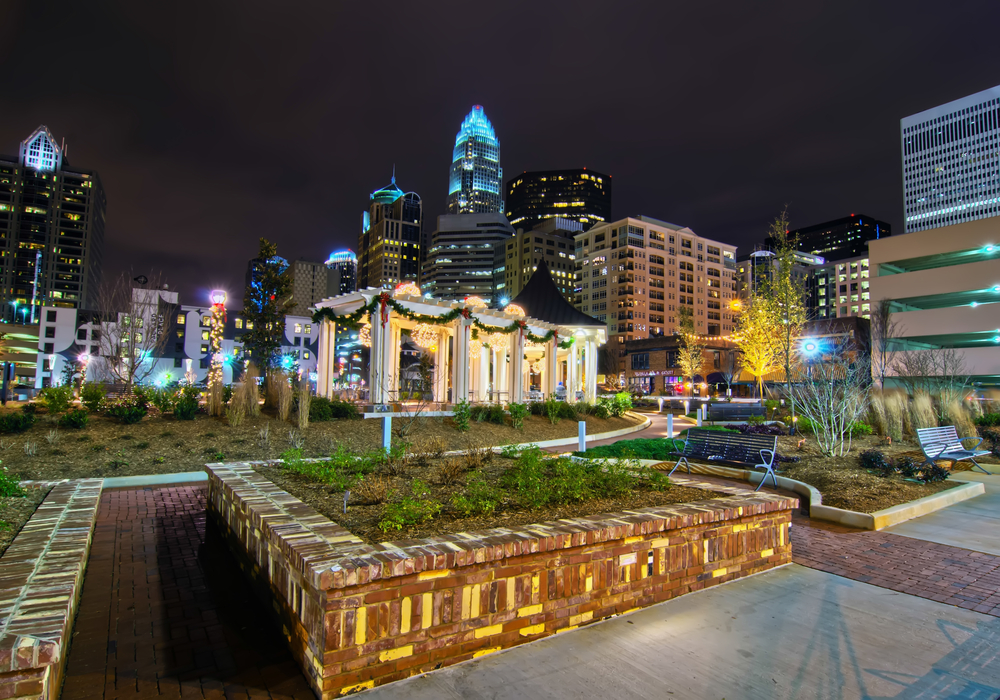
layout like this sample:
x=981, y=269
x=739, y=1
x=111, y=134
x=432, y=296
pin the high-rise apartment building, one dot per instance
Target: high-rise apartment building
x=951, y=162
x=343, y=271
x=459, y=259
x=390, y=245
x=839, y=289
x=310, y=282
x=516, y=259
x=636, y=273
x=51, y=229
x=579, y=195
x=476, y=176
x=838, y=239
x=760, y=266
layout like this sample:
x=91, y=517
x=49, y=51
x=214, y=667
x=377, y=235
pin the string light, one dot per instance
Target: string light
x=216, y=328
x=497, y=340
x=475, y=350
x=514, y=310
x=407, y=288
x=365, y=334
x=424, y=335
x=476, y=302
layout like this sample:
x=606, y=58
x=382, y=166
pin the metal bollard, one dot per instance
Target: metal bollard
x=699, y=417
x=387, y=433
x=582, y=435
x=670, y=425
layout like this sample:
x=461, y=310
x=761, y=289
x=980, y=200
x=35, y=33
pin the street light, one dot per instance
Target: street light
x=218, y=297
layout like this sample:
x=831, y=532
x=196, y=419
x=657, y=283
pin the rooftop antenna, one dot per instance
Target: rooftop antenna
x=394, y=173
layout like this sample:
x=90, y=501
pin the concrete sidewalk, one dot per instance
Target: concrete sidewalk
x=791, y=633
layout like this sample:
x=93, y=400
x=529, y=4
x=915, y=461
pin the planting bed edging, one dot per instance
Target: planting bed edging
x=41, y=577
x=850, y=518
x=359, y=615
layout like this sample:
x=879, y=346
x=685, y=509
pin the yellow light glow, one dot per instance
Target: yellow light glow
x=475, y=302
x=514, y=310
x=407, y=288
x=424, y=335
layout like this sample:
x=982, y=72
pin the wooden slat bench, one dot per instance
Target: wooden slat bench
x=730, y=448
x=944, y=443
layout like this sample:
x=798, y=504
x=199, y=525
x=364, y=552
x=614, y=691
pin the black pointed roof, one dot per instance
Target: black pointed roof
x=542, y=300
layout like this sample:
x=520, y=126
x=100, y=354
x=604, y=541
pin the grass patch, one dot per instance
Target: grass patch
x=640, y=448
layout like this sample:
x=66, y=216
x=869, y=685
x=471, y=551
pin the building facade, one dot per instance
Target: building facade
x=839, y=289
x=839, y=239
x=756, y=268
x=943, y=286
x=343, y=271
x=476, y=176
x=579, y=195
x=310, y=282
x=70, y=336
x=390, y=246
x=52, y=220
x=951, y=162
x=460, y=255
x=515, y=259
x=636, y=273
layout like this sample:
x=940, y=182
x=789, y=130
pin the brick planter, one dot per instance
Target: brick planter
x=41, y=574
x=358, y=615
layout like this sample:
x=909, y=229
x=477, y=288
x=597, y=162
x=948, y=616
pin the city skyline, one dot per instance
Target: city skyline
x=189, y=153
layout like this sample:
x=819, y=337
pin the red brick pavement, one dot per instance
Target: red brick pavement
x=939, y=572
x=166, y=612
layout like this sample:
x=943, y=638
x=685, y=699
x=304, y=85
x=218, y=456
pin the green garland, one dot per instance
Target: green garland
x=353, y=321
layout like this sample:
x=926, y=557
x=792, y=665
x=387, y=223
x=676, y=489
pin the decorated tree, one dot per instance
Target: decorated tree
x=264, y=305
x=758, y=336
x=691, y=353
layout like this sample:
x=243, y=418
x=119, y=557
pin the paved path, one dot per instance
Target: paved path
x=166, y=612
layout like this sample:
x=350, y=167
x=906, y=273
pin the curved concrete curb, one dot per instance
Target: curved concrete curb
x=560, y=442
x=865, y=521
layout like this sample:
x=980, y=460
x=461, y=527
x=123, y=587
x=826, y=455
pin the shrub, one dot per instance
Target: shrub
x=613, y=478
x=518, y=412
x=479, y=413
x=9, y=487
x=552, y=410
x=771, y=405
x=537, y=408
x=372, y=490
x=411, y=510
x=527, y=479
x=320, y=409
x=450, y=471
x=91, y=395
x=75, y=419
x=330, y=472
x=29, y=409
x=988, y=420
x=478, y=456
x=187, y=405
x=480, y=498
x=496, y=414
x=761, y=429
x=163, y=399
x=16, y=422
x=875, y=461
x=127, y=410
x=859, y=429
x=621, y=404
x=640, y=448
x=463, y=412
x=571, y=481
x=922, y=411
x=227, y=393
x=905, y=465
x=601, y=411
x=760, y=420
x=56, y=398
x=567, y=411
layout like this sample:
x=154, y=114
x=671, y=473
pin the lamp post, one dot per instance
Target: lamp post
x=218, y=325
x=84, y=361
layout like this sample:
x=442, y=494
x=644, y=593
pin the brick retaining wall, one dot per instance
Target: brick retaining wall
x=41, y=574
x=358, y=615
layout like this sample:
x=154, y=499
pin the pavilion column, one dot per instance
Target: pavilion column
x=397, y=341
x=330, y=361
x=516, y=378
x=572, y=372
x=441, y=368
x=500, y=375
x=550, y=376
x=322, y=352
x=376, y=359
x=483, y=380
x=459, y=362
x=590, y=388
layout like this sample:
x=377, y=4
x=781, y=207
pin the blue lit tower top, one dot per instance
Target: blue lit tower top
x=476, y=175
x=40, y=151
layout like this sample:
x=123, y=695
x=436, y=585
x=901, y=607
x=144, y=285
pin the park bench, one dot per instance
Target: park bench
x=944, y=443
x=730, y=448
x=733, y=411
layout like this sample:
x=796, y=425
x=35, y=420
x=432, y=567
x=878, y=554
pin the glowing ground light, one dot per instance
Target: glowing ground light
x=407, y=288
x=974, y=304
x=810, y=347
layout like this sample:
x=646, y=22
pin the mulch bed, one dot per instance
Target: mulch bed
x=164, y=445
x=845, y=485
x=362, y=520
x=15, y=512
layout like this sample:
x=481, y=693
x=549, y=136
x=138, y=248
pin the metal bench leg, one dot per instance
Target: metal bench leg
x=682, y=459
x=978, y=465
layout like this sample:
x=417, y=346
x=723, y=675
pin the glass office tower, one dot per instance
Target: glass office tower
x=476, y=175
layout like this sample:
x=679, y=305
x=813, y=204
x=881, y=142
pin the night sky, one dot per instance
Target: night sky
x=214, y=123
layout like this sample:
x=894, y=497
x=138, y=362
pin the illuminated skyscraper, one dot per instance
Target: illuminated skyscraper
x=343, y=267
x=578, y=195
x=389, y=246
x=476, y=175
x=51, y=229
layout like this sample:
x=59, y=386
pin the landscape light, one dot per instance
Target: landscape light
x=989, y=248
x=810, y=346
x=974, y=304
x=504, y=301
x=997, y=288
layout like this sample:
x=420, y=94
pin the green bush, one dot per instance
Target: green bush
x=567, y=411
x=859, y=429
x=518, y=412
x=9, y=487
x=29, y=409
x=56, y=399
x=552, y=410
x=185, y=407
x=989, y=420
x=16, y=422
x=719, y=428
x=537, y=408
x=463, y=412
x=227, y=393
x=601, y=411
x=76, y=419
x=480, y=498
x=618, y=405
x=496, y=414
x=639, y=448
x=411, y=510
x=127, y=410
x=570, y=481
x=320, y=410
x=334, y=472
x=91, y=395
x=527, y=479
x=344, y=410
x=163, y=399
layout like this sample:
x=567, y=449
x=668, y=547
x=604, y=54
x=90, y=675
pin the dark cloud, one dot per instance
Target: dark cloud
x=215, y=123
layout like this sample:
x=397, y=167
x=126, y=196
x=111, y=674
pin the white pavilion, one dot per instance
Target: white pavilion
x=471, y=363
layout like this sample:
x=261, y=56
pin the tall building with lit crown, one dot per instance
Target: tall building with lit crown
x=476, y=175
x=637, y=273
x=578, y=195
x=343, y=271
x=52, y=219
x=390, y=245
x=951, y=162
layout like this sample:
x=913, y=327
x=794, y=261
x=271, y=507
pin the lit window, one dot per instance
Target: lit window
x=181, y=319
x=239, y=323
x=298, y=327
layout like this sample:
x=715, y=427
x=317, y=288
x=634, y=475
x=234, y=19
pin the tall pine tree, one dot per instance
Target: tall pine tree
x=264, y=305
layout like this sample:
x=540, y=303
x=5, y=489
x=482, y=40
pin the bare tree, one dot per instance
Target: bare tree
x=833, y=394
x=729, y=367
x=884, y=329
x=134, y=328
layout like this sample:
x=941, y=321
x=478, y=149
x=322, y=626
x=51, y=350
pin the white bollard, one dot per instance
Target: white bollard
x=387, y=433
x=699, y=417
x=582, y=433
x=660, y=400
x=670, y=425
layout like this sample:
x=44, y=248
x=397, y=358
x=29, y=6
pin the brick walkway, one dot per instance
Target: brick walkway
x=166, y=612
x=939, y=572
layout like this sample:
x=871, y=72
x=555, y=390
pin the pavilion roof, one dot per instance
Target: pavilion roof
x=541, y=299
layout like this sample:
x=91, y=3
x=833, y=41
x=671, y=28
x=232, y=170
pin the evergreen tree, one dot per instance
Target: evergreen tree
x=264, y=305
